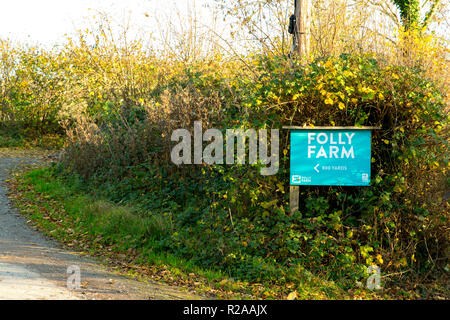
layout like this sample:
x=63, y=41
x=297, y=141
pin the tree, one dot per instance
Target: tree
x=410, y=13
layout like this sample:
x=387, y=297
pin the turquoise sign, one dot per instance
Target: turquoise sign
x=330, y=157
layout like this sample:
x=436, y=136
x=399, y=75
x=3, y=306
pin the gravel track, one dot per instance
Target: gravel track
x=35, y=267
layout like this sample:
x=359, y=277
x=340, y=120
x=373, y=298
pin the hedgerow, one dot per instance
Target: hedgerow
x=119, y=102
x=231, y=218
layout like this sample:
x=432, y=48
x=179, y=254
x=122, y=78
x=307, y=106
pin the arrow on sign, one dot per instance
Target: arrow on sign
x=315, y=168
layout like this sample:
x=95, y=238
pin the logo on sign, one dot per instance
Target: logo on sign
x=300, y=179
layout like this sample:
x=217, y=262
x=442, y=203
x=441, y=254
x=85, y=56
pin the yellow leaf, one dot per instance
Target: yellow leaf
x=380, y=258
x=329, y=101
x=223, y=282
x=292, y=295
x=403, y=262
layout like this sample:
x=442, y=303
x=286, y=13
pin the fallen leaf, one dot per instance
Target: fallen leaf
x=292, y=295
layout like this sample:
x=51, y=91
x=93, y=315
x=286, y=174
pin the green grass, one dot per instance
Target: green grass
x=13, y=136
x=99, y=227
x=63, y=209
x=100, y=218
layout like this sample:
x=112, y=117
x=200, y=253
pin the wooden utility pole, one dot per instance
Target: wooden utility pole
x=301, y=47
x=302, y=33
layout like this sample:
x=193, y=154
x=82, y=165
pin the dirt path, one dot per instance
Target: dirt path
x=34, y=267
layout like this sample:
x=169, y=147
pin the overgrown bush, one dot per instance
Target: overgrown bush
x=230, y=217
x=32, y=83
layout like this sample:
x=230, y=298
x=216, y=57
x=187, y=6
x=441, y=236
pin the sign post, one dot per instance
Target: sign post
x=328, y=156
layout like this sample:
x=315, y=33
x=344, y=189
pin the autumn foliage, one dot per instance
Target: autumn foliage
x=118, y=103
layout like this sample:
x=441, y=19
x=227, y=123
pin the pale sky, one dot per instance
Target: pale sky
x=46, y=21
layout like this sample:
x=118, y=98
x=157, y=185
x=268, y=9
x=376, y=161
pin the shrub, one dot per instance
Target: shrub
x=230, y=217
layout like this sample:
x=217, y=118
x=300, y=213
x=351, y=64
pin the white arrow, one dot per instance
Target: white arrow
x=315, y=168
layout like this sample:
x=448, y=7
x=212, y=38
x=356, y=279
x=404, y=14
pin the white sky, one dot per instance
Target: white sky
x=47, y=21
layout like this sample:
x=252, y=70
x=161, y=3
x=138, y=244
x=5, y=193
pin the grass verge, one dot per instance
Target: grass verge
x=123, y=238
